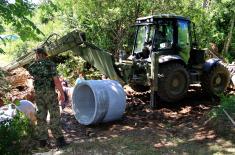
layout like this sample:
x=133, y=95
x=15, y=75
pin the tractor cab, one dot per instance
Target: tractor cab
x=166, y=34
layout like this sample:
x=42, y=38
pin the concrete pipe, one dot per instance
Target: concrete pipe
x=96, y=101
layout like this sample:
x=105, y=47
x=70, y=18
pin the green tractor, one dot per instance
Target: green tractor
x=165, y=59
x=167, y=43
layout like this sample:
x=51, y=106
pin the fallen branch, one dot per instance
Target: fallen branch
x=230, y=118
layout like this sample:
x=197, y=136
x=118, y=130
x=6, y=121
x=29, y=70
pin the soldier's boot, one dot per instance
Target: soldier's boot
x=60, y=142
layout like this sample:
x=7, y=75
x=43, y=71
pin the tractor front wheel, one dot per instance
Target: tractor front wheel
x=173, y=82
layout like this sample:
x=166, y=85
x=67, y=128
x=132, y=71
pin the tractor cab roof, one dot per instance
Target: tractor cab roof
x=155, y=18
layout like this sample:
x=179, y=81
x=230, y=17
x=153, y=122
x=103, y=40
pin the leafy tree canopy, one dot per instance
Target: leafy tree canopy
x=17, y=15
x=108, y=24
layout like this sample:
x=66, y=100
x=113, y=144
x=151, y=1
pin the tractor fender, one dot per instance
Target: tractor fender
x=210, y=63
x=169, y=58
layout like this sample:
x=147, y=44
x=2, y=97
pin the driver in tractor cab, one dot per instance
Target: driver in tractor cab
x=163, y=40
x=164, y=37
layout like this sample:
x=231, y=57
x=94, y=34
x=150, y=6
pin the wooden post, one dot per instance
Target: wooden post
x=154, y=79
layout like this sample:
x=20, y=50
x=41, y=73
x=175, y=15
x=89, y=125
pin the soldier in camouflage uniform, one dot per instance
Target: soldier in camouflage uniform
x=45, y=81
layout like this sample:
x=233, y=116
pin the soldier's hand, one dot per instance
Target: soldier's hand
x=62, y=98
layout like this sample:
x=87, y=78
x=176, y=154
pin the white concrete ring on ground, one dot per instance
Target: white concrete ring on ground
x=96, y=101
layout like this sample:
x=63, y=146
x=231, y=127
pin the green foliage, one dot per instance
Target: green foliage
x=3, y=41
x=13, y=134
x=108, y=23
x=21, y=50
x=93, y=74
x=230, y=57
x=1, y=51
x=227, y=103
x=73, y=65
x=18, y=15
x=218, y=117
x=47, y=11
x=220, y=16
x=1, y=74
x=18, y=48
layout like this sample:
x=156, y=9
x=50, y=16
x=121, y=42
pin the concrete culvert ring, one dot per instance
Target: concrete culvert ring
x=96, y=101
x=85, y=110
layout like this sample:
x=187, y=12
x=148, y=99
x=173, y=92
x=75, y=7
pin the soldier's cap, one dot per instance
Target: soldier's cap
x=39, y=50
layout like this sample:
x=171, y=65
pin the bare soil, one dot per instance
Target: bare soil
x=171, y=128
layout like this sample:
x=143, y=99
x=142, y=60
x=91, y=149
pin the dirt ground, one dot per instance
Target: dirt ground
x=171, y=128
x=177, y=128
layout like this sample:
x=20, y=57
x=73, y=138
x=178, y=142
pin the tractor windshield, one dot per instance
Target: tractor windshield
x=144, y=36
x=164, y=34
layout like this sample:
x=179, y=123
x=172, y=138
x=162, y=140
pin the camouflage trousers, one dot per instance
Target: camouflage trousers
x=46, y=100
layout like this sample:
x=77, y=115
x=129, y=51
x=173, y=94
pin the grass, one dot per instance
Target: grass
x=119, y=145
x=192, y=138
x=145, y=144
x=219, y=117
x=5, y=59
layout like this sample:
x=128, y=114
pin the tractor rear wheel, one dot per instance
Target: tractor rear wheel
x=216, y=80
x=173, y=82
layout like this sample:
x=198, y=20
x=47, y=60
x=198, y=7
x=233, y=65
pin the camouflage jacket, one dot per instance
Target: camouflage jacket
x=43, y=72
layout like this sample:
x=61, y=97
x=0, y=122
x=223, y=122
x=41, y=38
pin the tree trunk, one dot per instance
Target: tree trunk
x=229, y=37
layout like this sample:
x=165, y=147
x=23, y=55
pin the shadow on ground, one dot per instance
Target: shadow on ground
x=171, y=128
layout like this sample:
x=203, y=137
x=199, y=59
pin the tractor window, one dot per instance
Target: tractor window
x=151, y=34
x=144, y=37
x=183, y=34
x=183, y=39
x=140, y=39
x=164, y=35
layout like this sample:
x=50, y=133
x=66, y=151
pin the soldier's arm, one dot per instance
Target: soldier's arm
x=58, y=86
x=57, y=82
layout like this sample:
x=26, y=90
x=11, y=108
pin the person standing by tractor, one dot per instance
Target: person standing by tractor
x=45, y=81
x=66, y=91
x=80, y=78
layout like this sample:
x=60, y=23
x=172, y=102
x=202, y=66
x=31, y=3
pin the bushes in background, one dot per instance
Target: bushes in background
x=15, y=135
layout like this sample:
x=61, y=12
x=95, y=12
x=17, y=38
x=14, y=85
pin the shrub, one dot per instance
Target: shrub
x=73, y=65
x=218, y=119
x=70, y=67
x=15, y=135
x=227, y=103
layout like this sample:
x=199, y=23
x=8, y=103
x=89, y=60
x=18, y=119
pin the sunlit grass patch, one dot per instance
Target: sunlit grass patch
x=4, y=60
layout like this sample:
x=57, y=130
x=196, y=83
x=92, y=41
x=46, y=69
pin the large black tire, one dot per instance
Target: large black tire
x=216, y=80
x=173, y=82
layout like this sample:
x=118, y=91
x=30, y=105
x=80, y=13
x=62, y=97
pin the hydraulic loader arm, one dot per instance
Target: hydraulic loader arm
x=74, y=41
x=52, y=48
x=99, y=58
